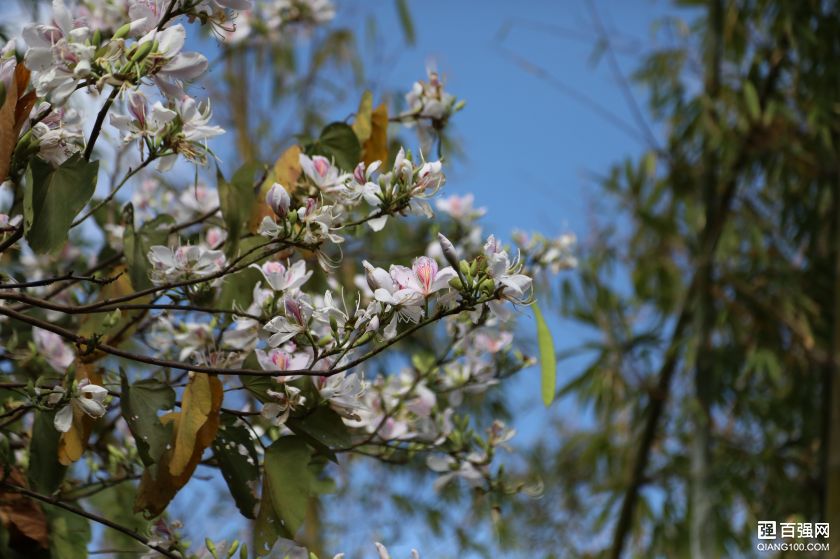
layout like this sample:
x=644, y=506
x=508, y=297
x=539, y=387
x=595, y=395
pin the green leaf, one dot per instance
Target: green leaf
x=140, y=404
x=548, y=357
x=290, y=480
x=45, y=472
x=751, y=98
x=406, y=22
x=236, y=199
x=338, y=142
x=238, y=460
x=69, y=532
x=53, y=197
x=136, y=244
x=238, y=289
x=323, y=429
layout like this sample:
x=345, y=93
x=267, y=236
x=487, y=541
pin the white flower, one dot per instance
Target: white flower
x=279, y=360
x=282, y=279
x=184, y=261
x=284, y=402
x=450, y=468
x=321, y=172
x=424, y=277
x=286, y=327
x=90, y=400
x=460, y=207
x=59, y=134
x=58, y=354
x=139, y=121
x=429, y=100
x=58, y=54
x=516, y=287
x=170, y=65
x=343, y=392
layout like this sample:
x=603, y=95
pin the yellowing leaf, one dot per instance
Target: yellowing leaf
x=72, y=444
x=13, y=115
x=159, y=485
x=201, y=402
x=286, y=171
x=375, y=148
x=362, y=123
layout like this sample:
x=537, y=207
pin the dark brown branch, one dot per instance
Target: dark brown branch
x=95, y=517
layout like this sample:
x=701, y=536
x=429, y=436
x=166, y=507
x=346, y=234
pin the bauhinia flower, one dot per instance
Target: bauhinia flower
x=59, y=54
x=322, y=172
x=429, y=100
x=343, y=392
x=59, y=134
x=140, y=121
x=284, y=328
x=277, y=359
x=58, y=354
x=184, y=261
x=469, y=469
x=423, y=277
x=169, y=65
x=283, y=403
x=515, y=287
x=460, y=208
x=282, y=279
x=88, y=399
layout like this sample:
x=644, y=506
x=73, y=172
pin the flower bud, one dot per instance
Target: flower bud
x=448, y=250
x=488, y=286
x=465, y=269
x=456, y=283
x=278, y=200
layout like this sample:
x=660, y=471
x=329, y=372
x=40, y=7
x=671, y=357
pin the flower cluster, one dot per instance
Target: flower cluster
x=428, y=100
x=271, y=20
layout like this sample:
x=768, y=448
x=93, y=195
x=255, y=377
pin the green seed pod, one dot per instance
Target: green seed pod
x=324, y=341
x=122, y=32
x=143, y=51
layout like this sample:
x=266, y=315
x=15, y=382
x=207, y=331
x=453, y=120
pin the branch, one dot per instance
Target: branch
x=91, y=516
x=97, y=125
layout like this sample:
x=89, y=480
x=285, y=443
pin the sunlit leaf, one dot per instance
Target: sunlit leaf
x=548, y=358
x=362, y=124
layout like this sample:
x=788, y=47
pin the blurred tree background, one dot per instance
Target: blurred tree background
x=712, y=283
